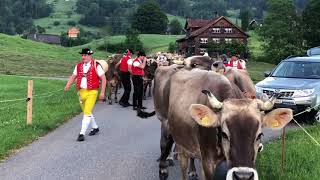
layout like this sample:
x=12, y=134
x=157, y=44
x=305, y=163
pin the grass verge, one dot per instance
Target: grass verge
x=302, y=157
x=48, y=112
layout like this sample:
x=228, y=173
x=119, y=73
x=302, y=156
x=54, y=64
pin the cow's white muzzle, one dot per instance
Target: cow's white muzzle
x=242, y=173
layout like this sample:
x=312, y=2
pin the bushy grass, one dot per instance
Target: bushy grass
x=48, y=112
x=302, y=157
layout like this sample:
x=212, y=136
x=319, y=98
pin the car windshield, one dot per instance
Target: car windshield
x=297, y=69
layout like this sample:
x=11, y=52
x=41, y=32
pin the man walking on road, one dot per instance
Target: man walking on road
x=87, y=74
x=125, y=69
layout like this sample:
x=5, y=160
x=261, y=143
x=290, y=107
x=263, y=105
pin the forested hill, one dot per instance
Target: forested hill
x=114, y=16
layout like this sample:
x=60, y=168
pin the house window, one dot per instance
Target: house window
x=228, y=40
x=216, y=40
x=203, y=50
x=215, y=30
x=204, y=40
x=227, y=30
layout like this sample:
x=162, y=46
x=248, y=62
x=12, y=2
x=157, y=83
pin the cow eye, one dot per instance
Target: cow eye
x=259, y=137
x=224, y=136
x=194, y=65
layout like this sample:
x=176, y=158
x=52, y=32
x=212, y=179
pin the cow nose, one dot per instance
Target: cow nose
x=240, y=175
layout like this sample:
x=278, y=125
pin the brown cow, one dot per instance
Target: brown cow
x=193, y=119
x=149, y=72
x=238, y=76
x=113, y=79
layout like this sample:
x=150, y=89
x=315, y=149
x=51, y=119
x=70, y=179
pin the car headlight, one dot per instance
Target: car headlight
x=303, y=93
x=259, y=89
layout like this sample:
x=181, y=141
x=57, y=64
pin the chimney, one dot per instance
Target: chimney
x=215, y=14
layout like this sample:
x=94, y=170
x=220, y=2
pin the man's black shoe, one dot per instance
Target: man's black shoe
x=129, y=104
x=123, y=104
x=94, y=131
x=142, y=107
x=80, y=137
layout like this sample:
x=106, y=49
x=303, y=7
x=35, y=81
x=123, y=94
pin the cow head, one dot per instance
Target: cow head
x=241, y=121
x=200, y=62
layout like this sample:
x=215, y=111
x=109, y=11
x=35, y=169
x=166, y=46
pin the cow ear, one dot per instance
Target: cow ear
x=203, y=115
x=277, y=118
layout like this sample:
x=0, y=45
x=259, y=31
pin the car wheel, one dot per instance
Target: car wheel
x=317, y=116
x=312, y=116
x=308, y=117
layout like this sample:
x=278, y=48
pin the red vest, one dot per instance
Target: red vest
x=124, y=63
x=92, y=76
x=137, y=70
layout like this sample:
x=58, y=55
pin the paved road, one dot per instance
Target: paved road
x=126, y=149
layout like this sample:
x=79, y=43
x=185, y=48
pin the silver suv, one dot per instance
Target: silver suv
x=297, y=80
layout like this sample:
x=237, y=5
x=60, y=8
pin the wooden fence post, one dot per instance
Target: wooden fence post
x=283, y=149
x=29, y=104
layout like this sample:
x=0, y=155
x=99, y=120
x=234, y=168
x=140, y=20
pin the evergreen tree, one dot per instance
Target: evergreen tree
x=175, y=27
x=245, y=16
x=281, y=31
x=311, y=23
x=132, y=40
x=150, y=19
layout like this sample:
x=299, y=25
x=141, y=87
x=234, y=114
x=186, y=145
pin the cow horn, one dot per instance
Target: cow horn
x=212, y=99
x=268, y=104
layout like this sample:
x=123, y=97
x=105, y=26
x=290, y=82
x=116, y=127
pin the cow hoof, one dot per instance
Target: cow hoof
x=110, y=102
x=170, y=162
x=144, y=98
x=163, y=174
x=116, y=101
x=192, y=176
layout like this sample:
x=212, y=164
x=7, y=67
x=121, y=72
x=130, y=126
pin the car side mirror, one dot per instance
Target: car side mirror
x=267, y=73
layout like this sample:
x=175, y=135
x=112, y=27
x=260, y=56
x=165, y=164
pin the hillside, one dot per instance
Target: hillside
x=64, y=11
x=151, y=42
x=26, y=57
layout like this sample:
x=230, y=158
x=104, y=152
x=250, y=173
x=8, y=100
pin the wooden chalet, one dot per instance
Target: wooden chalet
x=200, y=32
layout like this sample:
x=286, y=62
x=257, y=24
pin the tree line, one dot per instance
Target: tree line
x=16, y=16
x=286, y=31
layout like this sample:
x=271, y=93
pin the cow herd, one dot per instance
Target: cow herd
x=211, y=113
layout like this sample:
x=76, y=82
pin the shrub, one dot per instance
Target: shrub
x=56, y=23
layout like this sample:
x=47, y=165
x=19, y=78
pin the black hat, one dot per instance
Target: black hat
x=86, y=51
x=141, y=53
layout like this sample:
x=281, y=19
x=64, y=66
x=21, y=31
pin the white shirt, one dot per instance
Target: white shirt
x=136, y=63
x=86, y=66
x=130, y=61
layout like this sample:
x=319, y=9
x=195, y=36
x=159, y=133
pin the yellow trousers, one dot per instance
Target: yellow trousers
x=87, y=100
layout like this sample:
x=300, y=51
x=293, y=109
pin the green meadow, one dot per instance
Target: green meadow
x=51, y=108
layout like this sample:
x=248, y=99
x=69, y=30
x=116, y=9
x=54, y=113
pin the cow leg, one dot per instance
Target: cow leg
x=145, y=85
x=184, y=161
x=192, y=170
x=150, y=84
x=110, y=92
x=208, y=169
x=166, y=143
x=116, y=94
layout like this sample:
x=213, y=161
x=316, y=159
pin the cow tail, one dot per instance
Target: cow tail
x=143, y=114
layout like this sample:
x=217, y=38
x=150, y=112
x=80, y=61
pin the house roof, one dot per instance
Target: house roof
x=47, y=38
x=196, y=23
x=208, y=25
